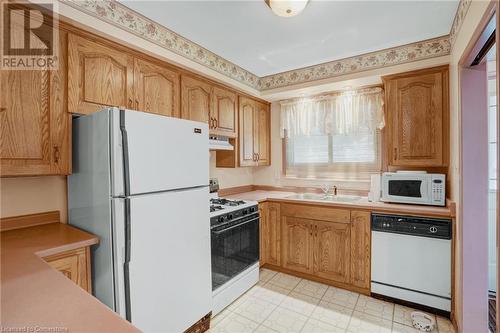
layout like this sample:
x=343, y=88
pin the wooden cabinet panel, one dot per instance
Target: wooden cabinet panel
x=360, y=249
x=225, y=112
x=270, y=233
x=262, y=135
x=417, y=109
x=196, y=96
x=98, y=76
x=273, y=234
x=34, y=125
x=332, y=251
x=247, y=131
x=317, y=212
x=297, y=246
x=157, y=89
x=75, y=265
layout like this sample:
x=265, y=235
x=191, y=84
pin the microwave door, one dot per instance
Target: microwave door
x=405, y=190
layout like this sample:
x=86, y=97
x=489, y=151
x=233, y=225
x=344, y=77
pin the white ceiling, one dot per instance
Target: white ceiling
x=248, y=34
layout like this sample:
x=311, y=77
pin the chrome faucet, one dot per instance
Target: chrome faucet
x=335, y=190
x=327, y=189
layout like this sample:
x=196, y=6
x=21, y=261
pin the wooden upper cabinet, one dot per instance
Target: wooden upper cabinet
x=247, y=108
x=418, y=113
x=262, y=135
x=34, y=125
x=196, y=98
x=157, y=89
x=297, y=245
x=224, y=112
x=332, y=251
x=98, y=76
x=360, y=249
x=255, y=123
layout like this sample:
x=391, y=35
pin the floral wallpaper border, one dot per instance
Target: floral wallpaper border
x=431, y=48
x=463, y=8
x=125, y=18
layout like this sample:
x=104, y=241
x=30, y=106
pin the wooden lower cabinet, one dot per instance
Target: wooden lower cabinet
x=297, y=244
x=360, y=249
x=75, y=265
x=330, y=245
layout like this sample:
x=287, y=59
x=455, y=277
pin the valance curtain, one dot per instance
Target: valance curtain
x=344, y=113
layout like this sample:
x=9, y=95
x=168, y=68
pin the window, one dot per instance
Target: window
x=333, y=137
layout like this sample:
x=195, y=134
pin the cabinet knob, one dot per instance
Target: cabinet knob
x=396, y=153
x=137, y=104
x=216, y=123
x=3, y=109
x=130, y=103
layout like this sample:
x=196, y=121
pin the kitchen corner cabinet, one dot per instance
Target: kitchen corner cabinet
x=35, y=134
x=254, y=133
x=326, y=244
x=75, y=265
x=417, y=111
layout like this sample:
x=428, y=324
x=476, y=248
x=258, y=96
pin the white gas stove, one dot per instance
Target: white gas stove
x=234, y=238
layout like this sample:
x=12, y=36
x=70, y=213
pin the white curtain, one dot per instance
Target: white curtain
x=344, y=113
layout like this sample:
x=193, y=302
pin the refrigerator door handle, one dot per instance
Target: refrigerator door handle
x=126, y=172
x=126, y=269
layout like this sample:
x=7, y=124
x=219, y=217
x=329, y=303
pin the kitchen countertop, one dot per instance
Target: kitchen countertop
x=363, y=203
x=33, y=294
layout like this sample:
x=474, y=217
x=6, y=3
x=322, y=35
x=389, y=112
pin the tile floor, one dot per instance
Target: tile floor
x=287, y=304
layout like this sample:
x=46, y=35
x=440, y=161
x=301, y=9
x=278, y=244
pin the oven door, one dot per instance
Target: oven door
x=413, y=190
x=235, y=247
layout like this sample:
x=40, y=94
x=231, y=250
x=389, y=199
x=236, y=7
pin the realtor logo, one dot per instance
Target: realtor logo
x=30, y=36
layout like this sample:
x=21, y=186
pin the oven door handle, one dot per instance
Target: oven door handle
x=235, y=226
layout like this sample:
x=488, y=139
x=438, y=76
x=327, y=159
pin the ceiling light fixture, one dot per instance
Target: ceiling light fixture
x=286, y=8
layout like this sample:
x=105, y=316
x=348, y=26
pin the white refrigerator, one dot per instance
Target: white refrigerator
x=140, y=183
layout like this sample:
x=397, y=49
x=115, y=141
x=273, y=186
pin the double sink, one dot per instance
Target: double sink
x=323, y=197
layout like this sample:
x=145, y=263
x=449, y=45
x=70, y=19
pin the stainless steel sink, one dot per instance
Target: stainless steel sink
x=322, y=197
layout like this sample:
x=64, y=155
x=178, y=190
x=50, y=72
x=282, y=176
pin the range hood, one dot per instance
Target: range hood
x=219, y=143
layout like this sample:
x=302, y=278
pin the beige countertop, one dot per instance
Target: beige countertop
x=33, y=294
x=363, y=203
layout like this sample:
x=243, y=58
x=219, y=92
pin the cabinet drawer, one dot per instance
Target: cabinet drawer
x=75, y=265
x=316, y=213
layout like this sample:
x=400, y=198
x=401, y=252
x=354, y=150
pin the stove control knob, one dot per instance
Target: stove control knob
x=230, y=217
x=252, y=209
x=221, y=218
x=245, y=212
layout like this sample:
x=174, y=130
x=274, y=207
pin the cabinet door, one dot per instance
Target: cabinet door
x=224, y=111
x=417, y=109
x=98, y=76
x=75, y=265
x=262, y=134
x=157, y=89
x=360, y=249
x=273, y=234
x=34, y=125
x=297, y=238
x=247, y=131
x=196, y=95
x=332, y=251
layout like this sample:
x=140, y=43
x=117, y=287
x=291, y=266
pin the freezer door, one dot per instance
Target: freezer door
x=161, y=153
x=169, y=268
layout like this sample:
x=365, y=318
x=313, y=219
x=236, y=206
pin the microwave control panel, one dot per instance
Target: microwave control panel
x=438, y=192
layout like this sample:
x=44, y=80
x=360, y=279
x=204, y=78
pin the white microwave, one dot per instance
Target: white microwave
x=414, y=187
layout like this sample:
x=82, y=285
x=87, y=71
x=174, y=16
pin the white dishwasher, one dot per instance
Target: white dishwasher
x=411, y=259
